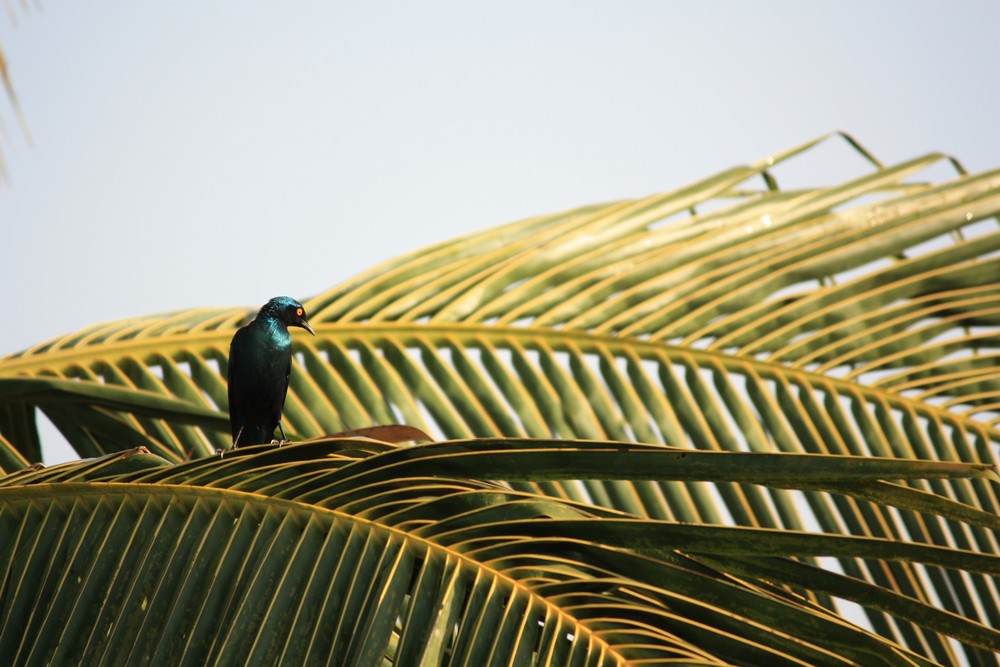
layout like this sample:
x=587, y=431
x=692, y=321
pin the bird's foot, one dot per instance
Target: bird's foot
x=279, y=443
x=221, y=453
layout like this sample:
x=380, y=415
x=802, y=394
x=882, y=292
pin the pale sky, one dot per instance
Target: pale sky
x=202, y=153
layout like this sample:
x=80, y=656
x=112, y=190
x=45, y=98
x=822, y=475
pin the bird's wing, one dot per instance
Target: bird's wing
x=288, y=373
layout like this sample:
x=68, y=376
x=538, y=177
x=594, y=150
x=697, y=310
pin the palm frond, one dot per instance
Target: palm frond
x=257, y=556
x=733, y=316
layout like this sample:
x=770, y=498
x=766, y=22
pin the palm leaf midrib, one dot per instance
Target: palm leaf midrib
x=559, y=339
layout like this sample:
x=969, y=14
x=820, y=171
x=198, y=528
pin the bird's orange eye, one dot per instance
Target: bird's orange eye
x=299, y=311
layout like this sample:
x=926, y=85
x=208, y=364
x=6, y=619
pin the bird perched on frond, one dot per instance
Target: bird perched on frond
x=260, y=361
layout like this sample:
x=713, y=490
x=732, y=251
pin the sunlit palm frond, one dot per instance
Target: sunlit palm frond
x=731, y=315
x=354, y=551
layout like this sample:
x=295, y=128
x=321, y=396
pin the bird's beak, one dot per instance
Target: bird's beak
x=305, y=325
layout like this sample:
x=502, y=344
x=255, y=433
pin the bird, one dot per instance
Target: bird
x=260, y=362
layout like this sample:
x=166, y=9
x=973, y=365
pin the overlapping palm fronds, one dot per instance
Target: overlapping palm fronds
x=854, y=320
x=359, y=552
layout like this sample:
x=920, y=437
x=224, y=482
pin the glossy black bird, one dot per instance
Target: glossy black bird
x=260, y=360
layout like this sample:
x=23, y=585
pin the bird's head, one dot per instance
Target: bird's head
x=288, y=311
